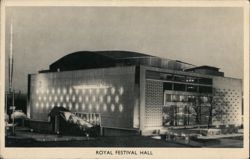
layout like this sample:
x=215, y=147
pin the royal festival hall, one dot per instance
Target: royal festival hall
x=129, y=92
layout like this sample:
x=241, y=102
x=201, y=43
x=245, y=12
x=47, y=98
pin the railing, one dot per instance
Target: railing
x=93, y=118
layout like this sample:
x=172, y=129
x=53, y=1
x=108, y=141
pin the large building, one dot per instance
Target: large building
x=136, y=92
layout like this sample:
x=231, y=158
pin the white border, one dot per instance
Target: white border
x=205, y=153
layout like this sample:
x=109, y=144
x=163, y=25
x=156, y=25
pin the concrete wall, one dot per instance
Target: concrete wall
x=229, y=91
x=108, y=91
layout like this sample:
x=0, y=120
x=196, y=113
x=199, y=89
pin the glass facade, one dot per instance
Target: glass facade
x=182, y=82
x=186, y=98
x=184, y=110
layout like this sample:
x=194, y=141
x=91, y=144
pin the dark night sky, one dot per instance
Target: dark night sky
x=201, y=36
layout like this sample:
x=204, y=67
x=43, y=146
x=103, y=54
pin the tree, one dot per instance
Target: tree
x=217, y=106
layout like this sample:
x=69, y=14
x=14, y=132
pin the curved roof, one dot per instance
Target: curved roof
x=100, y=59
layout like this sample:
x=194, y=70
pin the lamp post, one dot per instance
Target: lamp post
x=13, y=110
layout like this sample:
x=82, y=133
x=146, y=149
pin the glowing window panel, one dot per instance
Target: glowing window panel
x=80, y=99
x=64, y=105
x=77, y=91
x=44, y=98
x=93, y=98
x=64, y=91
x=83, y=106
x=116, y=98
x=112, y=107
x=42, y=91
x=37, y=91
x=58, y=91
x=73, y=98
x=105, y=91
x=53, y=91
x=47, y=91
x=108, y=99
x=58, y=104
x=121, y=90
x=86, y=98
x=83, y=91
x=70, y=106
x=37, y=105
x=101, y=99
x=97, y=107
x=39, y=98
x=90, y=106
x=70, y=91
x=120, y=107
x=90, y=91
x=67, y=98
x=55, y=98
x=104, y=107
x=52, y=105
x=61, y=98
x=97, y=91
x=76, y=106
x=112, y=90
x=50, y=98
x=42, y=105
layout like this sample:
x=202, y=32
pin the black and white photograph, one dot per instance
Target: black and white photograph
x=123, y=79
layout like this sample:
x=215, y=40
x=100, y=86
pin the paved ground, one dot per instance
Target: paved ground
x=31, y=139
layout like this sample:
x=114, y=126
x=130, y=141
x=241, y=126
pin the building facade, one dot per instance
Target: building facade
x=136, y=92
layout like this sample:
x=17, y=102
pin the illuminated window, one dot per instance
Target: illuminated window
x=90, y=91
x=80, y=99
x=61, y=98
x=108, y=99
x=120, y=107
x=39, y=98
x=44, y=98
x=70, y=91
x=192, y=88
x=55, y=98
x=116, y=98
x=112, y=90
x=86, y=98
x=83, y=91
x=83, y=106
x=121, y=90
x=90, y=106
x=101, y=99
x=97, y=91
x=42, y=91
x=64, y=105
x=37, y=105
x=58, y=91
x=50, y=98
x=37, y=91
x=52, y=105
x=93, y=98
x=97, y=107
x=70, y=106
x=73, y=98
x=47, y=91
x=64, y=91
x=77, y=106
x=104, y=107
x=42, y=105
x=105, y=91
x=112, y=107
x=67, y=98
x=77, y=91
x=53, y=91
